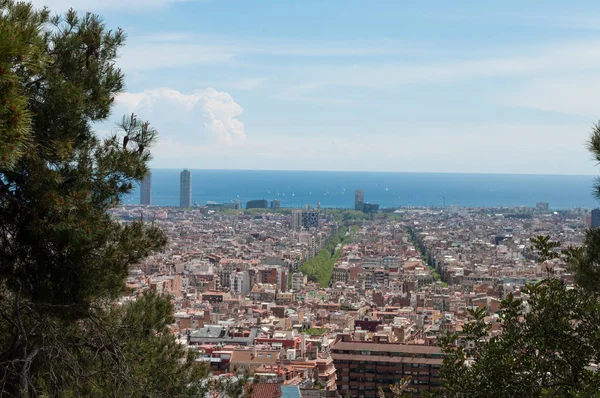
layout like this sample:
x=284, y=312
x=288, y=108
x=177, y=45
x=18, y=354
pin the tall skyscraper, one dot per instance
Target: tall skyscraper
x=595, y=218
x=185, y=188
x=296, y=223
x=359, y=199
x=146, y=190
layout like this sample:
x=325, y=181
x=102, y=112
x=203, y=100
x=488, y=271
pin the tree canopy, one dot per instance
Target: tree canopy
x=320, y=268
x=63, y=259
x=546, y=347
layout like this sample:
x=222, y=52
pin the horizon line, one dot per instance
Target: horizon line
x=384, y=171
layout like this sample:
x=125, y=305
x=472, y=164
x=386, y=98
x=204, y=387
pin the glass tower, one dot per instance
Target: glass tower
x=185, y=188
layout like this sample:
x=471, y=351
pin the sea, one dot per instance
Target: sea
x=335, y=189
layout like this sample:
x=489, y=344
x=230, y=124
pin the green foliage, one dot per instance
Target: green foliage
x=21, y=57
x=354, y=215
x=400, y=389
x=320, y=267
x=544, y=247
x=239, y=386
x=59, y=247
x=229, y=212
x=585, y=262
x=316, y=331
x=123, y=351
x=63, y=259
x=347, y=215
x=281, y=210
x=547, y=344
x=544, y=349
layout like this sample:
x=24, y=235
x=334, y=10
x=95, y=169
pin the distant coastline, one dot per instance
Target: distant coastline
x=335, y=189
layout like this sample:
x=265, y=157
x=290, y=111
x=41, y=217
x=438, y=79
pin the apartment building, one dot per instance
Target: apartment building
x=363, y=367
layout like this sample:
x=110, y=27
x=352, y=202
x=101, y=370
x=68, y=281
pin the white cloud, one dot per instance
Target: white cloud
x=187, y=117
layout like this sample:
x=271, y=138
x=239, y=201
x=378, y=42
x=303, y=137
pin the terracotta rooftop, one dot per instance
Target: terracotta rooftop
x=266, y=390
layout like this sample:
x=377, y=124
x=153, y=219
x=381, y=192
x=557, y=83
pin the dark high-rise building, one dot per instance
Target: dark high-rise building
x=370, y=207
x=595, y=218
x=185, y=188
x=257, y=204
x=310, y=219
x=359, y=199
x=146, y=190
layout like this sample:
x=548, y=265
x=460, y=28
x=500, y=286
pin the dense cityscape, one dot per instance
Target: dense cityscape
x=247, y=301
x=336, y=199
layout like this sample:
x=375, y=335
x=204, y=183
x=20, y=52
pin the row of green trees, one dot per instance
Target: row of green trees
x=425, y=255
x=319, y=268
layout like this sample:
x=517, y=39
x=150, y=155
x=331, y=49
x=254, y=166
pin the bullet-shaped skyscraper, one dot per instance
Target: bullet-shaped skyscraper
x=146, y=190
x=185, y=188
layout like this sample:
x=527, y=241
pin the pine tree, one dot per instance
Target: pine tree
x=545, y=349
x=63, y=259
x=586, y=261
x=19, y=49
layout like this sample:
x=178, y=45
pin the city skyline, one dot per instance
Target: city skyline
x=458, y=87
x=336, y=189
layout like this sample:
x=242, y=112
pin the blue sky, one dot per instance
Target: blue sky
x=437, y=86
